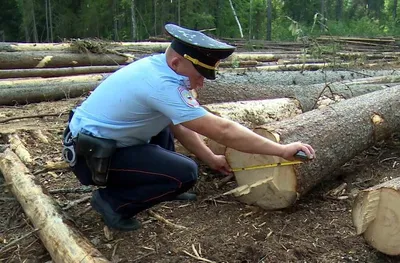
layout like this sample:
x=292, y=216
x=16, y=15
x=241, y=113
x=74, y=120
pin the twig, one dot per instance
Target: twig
x=141, y=257
x=166, y=221
x=225, y=180
x=16, y=241
x=198, y=257
x=84, y=211
x=31, y=116
x=75, y=202
x=71, y=190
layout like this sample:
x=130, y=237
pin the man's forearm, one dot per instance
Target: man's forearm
x=239, y=137
x=193, y=143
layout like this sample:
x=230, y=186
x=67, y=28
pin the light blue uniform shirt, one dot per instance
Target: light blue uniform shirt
x=136, y=103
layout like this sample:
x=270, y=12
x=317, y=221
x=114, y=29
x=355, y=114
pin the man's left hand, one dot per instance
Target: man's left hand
x=219, y=163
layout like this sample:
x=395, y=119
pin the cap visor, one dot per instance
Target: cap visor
x=207, y=73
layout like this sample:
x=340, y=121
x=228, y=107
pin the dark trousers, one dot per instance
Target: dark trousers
x=144, y=175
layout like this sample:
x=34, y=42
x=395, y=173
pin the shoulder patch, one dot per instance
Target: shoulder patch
x=188, y=98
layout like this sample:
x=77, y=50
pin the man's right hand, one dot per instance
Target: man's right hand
x=290, y=150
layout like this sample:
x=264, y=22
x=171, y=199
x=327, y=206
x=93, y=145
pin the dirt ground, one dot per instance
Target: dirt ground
x=318, y=228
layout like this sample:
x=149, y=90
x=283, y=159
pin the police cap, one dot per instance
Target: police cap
x=203, y=51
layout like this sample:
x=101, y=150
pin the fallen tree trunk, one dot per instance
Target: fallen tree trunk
x=41, y=82
x=376, y=214
x=31, y=94
x=21, y=60
x=55, y=72
x=337, y=133
x=62, y=241
x=251, y=86
x=84, y=44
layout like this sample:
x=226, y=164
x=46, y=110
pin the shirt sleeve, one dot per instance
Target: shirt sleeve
x=176, y=102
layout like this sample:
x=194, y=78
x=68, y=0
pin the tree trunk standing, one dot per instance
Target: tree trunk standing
x=115, y=20
x=323, y=13
x=269, y=20
x=133, y=21
x=179, y=12
x=236, y=18
x=51, y=22
x=35, y=33
x=337, y=133
x=63, y=242
x=21, y=60
x=376, y=215
x=250, y=22
x=394, y=10
x=47, y=21
x=155, y=17
x=339, y=10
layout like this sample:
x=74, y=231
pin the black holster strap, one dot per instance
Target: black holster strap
x=98, y=153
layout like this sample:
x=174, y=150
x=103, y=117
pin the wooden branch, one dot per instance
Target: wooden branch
x=64, y=243
x=30, y=117
x=19, y=148
x=16, y=241
x=166, y=221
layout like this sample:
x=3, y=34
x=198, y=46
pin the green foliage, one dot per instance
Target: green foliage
x=111, y=19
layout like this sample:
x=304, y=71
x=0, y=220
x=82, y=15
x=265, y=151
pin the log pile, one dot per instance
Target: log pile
x=339, y=118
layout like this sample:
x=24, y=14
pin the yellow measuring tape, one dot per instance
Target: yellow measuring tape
x=266, y=166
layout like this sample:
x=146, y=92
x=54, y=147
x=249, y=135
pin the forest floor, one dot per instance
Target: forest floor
x=318, y=228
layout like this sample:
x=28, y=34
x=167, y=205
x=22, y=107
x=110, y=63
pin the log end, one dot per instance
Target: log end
x=376, y=215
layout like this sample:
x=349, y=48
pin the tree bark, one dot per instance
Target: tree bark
x=337, y=133
x=40, y=82
x=55, y=72
x=63, y=242
x=20, y=60
x=376, y=215
x=252, y=86
x=269, y=20
x=31, y=94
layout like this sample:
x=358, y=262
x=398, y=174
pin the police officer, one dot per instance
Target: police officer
x=139, y=110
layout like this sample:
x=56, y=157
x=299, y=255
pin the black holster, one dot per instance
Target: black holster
x=98, y=153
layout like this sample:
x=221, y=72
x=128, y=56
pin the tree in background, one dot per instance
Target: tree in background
x=130, y=20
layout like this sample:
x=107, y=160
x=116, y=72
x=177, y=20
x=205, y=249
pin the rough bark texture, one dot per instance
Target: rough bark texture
x=376, y=214
x=21, y=60
x=64, y=243
x=30, y=94
x=55, y=72
x=252, y=86
x=337, y=133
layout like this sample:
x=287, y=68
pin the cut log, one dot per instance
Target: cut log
x=31, y=94
x=253, y=86
x=74, y=46
x=24, y=60
x=337, y=133
x=55, y=72
x=376, y=215
x=40, y=82
x=23, y=91
x=63, y=242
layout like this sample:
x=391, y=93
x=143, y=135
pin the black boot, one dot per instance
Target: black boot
x=111, y=218
x=186, y=197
